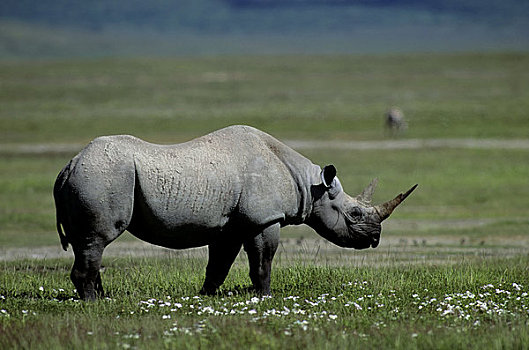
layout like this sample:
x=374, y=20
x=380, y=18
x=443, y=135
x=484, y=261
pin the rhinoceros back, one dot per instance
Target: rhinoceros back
x=185, y=195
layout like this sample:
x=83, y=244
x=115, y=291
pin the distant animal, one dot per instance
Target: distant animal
x=231, y=188
x=395, y=122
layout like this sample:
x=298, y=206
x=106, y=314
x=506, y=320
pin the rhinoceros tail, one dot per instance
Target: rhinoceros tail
x=62, y=236
x=57, y=188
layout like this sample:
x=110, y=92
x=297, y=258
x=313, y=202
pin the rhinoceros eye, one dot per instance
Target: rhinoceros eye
x=356, y=212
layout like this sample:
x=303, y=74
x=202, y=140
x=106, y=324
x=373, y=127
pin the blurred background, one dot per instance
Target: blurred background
x=60, y=28
x=429, y=92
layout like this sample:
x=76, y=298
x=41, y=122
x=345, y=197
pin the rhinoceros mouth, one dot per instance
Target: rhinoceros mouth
x=375, y=242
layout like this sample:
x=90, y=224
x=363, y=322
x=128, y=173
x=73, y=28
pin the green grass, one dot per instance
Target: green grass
x=152, y=303
x=464, y=228
x=315, y=97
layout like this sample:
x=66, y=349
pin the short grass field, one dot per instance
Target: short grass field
x=452, y=270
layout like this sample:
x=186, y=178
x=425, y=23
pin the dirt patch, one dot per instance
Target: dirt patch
x=116, y=249
x=468, y=143
x=393, y=250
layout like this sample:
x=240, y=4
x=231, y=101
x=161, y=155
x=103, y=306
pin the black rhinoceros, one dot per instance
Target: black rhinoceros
x=234, y=187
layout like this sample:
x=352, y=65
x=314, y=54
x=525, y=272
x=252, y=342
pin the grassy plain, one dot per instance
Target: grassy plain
x=465, y=228
x=311, y=97
x=470, y=305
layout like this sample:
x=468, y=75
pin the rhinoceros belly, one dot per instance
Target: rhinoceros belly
x=182, y=207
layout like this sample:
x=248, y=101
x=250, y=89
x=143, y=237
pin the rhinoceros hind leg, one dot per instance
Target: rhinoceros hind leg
x=221, y=257
x=85, y=273
x=261, y=250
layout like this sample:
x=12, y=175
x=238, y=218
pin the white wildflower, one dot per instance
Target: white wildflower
x=450, y=310
x=310, y=302
x=483, y=306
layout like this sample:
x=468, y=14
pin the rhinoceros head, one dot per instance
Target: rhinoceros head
x=347, y=221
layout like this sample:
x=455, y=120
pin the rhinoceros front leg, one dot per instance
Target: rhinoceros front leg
x=221, y=257
x=261, y=250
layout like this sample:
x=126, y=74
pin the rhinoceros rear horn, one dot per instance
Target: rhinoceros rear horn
x=367, y=193
x=384, y=210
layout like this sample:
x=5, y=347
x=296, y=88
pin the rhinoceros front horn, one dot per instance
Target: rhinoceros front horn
x=385, y=209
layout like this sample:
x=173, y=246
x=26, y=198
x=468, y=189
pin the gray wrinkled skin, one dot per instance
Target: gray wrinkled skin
x=234, y=187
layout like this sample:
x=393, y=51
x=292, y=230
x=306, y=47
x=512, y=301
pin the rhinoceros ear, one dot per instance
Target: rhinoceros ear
x=327, y=175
